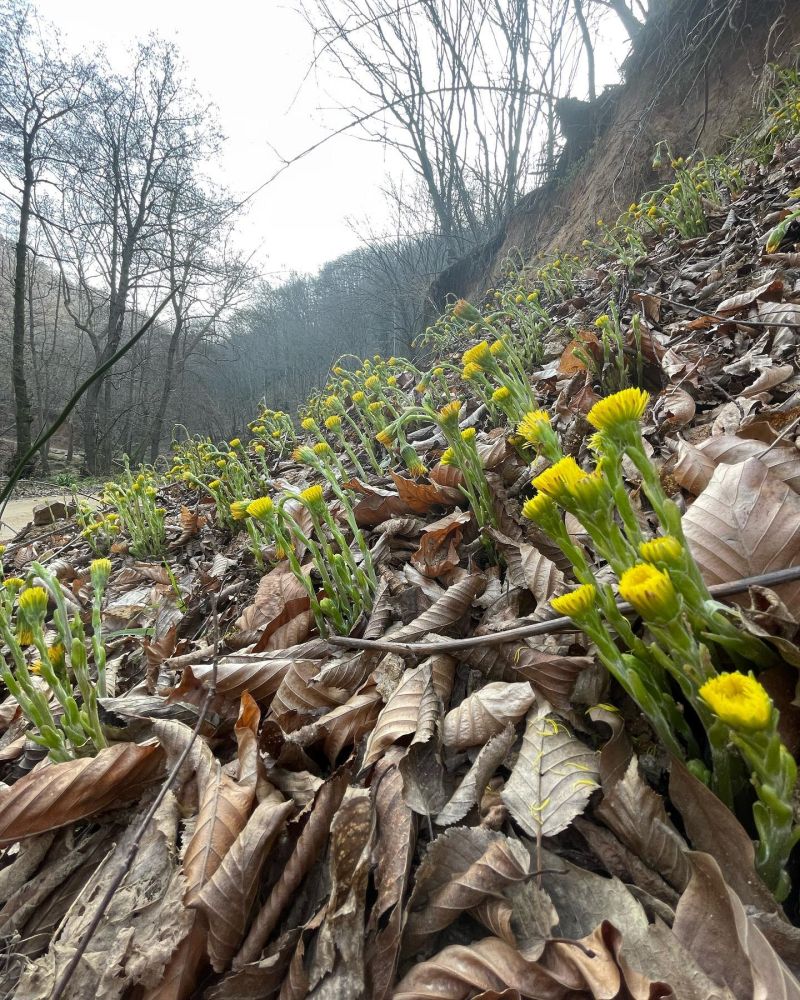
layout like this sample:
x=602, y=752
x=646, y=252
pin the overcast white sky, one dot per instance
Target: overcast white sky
x=250, y=57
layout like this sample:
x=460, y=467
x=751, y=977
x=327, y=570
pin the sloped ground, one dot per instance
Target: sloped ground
x=435, y=818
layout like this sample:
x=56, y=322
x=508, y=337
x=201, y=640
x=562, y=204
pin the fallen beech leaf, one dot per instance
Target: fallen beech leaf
x=460, y=869
x=745, y=522
x=400, y=715
x=742, y=300
x=421, y=767
x=298, y=701
x=469, y=792
x=675, y=408
x=59, y=794
x=438, y=547
x=377, y=505
x=396, y=838
x=255, y=673
x=553, y=778
x=227, y=898
x=421, y=497
x=710, y=911
x=279, y=598
x=485, y=713
x=552, y=676
x=446, y=611
x=573, y=358
x=696, y=465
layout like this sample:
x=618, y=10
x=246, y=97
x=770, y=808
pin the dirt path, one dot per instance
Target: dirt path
x=18, y=513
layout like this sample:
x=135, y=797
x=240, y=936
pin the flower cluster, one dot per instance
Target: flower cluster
x=134, y=502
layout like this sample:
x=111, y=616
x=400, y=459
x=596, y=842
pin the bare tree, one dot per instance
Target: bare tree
x=39, y=91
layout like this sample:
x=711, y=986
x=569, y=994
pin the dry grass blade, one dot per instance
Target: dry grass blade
x=745, y=522
x=59, y=794
x=553, y=778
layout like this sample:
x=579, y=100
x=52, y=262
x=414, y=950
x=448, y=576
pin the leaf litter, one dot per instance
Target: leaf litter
x=458, y=824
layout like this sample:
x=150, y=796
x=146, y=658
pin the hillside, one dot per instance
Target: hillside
x=475, y=679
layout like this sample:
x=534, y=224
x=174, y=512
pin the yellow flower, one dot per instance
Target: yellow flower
x=384, y=438
x=100, y=571
x=358, y=397
x=321, y=449
x=532, y=425
x=448, y=415
x=590, y=489
x=375, y=406
x=650, y=591
x=239, y=509
x=540, y=509
x=448, y=457
x=13, y=583
x=333, y=403
x=372, y=382
x=602, y=321
x=470, y=371
x=501, y=395
x=313, y=496
x=235, y=442
x=214, y=484
x=480, y=355
x=622, y=407
x=55, y=654
x=333, y=423
x=498, y=347
x=665, y=549
x=259, y=448
x=33, y=604
x=466, y=311
x=468, y=434
x=577, y=602
x=558, y=480
x=438, y=372
x=261, y=508
x=308, y=424
x=392, y=380
x=739, y=700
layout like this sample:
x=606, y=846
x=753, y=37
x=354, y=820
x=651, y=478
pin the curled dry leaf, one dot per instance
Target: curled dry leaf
x=259, y=675
x=473, y=785
x=421, y=497
x=227, y=898
x=444, y=612
x=438, y=547
x=462, y=867
x=745, y=522
x=279, y=598
x=59, y=794
x=298, y=701
x=552, y=676
x=400, y=716
x=377, y=505
x=485, y=713
x=553, y=778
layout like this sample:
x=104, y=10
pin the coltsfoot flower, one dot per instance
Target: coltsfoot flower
x=33, y=604
x=559, y=479
x=313, y=496
x=470, y=371
x=577, y=602
x=591, y=490
x=261, y=508
x=308, y=424
x=533, y=424
x=501, y=395
x=448, y=415
x=100, y=571
x=650, y=592
x=739, y=700
x=664, y=549
x=468, y=434
x=466, y=311
x=333, y=423
x=448, y=457
x=624, y=407
x=542, y=511
x=480, y=355
x=239, y=509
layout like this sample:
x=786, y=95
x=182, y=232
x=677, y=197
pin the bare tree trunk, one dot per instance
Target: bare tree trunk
x=22, y=402
x=587, y=44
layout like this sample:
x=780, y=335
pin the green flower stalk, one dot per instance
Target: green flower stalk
x=335, y=405
x=745, y=709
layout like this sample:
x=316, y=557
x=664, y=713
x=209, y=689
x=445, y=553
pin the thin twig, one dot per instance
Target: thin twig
x=786, y=430
x=545, y=628
x=127, y=861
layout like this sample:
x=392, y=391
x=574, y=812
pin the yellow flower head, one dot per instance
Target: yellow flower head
x=214, y=484
x=626, y=406
x=321, y=450
x=333, y=403
x=541, y=510
x=372, y=382
x=375, y=406
x=392, y=380
x=2, y=550
x=33, y=604
x=358, y=397
x=590, y=489
x=650, y=591
x=312, y=496
x=602, y=321
x=235, y=442
x=338, y=370
x=448, y=457
x=665, y=549
x=739, y=700
x=385, y=438
x=577, y=602
x=533, y=425
x=501, y=395
x=100, y=571
x=261, y=508
x=438, y=371
x=499, y=347
x=448, y=415
x=558, y=480
x=470, y=371
x=308, y=424
x=468, y=434
x=466, y=311
x=304, y=454
x=13, y=583
x=259, y=448
x=239, y=509
x=480, y=355
x=333, y=423
x=56, y=655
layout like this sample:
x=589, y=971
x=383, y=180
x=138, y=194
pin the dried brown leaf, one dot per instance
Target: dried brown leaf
x=446, y=611
x=469, y=792
x=279, y=598
x=486, y=712
x=399, y=717
x=745, y=522
x=438, y=547
x=696, y=465
x=420, y=498
x=59, y=794
x=552, y=676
